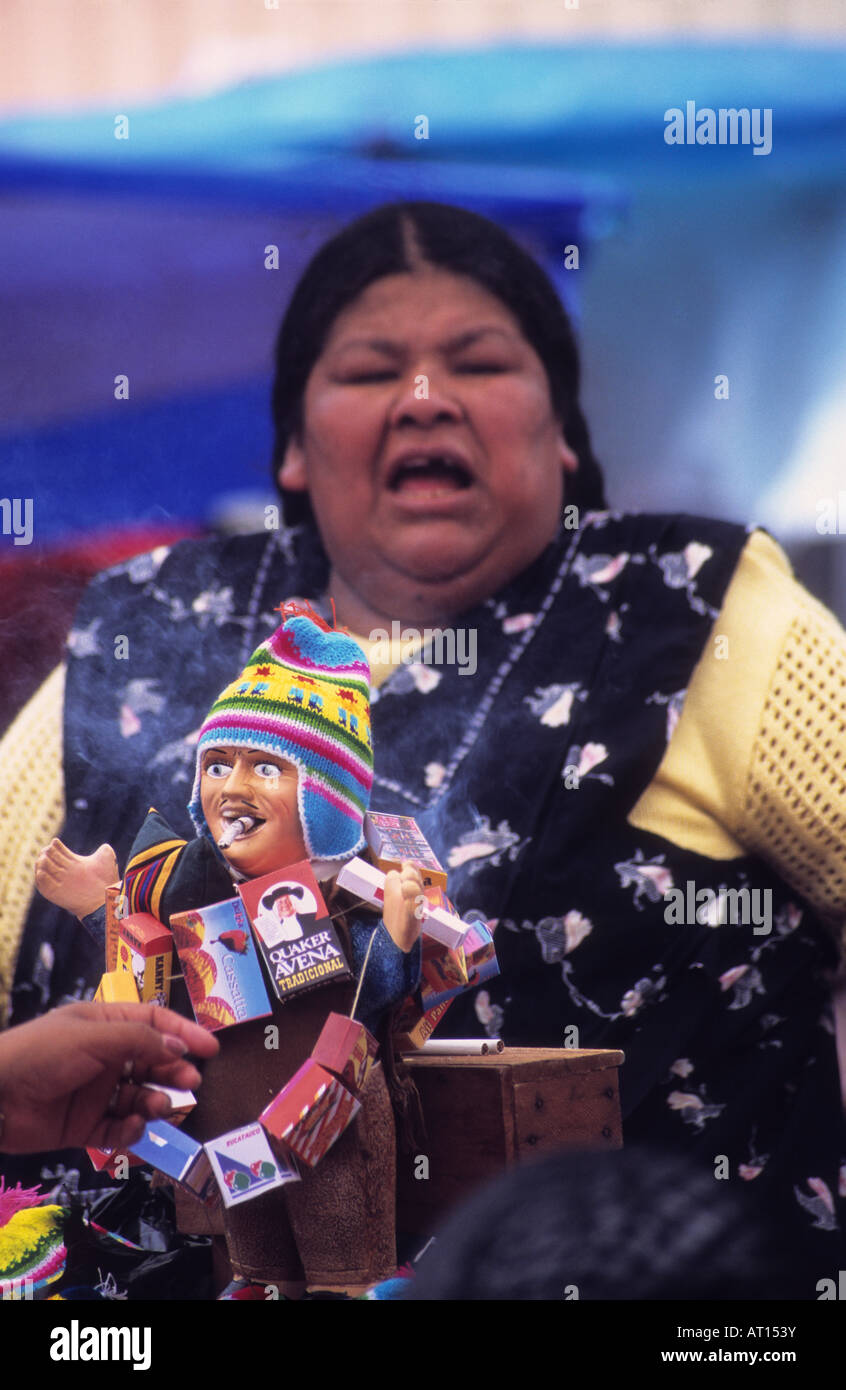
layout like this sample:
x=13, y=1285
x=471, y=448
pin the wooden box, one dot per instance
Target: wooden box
x=483, y=1114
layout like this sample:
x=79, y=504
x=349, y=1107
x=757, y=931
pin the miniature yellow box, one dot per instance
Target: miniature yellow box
x=113, y=894
x=117, y=987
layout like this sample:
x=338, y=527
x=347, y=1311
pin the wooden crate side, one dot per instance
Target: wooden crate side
x=469, y=1139
x=571, y=1111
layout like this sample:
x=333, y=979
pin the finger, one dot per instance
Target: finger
x=198, y=1041
x=59, y=853
x=153, y=1105
x=130, y=1109
x=113, y=1133
x=115, y=1045
x=45, y=869
x=411, y=874
x=181, y=1076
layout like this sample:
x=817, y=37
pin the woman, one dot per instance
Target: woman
x=635, y=781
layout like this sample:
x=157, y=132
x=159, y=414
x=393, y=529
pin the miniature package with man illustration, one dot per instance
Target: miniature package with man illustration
x=300, y=946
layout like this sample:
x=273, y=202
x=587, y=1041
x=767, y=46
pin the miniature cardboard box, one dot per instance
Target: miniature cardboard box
x=245, y=1167
x=299, y=943
x=113, y=916
x=368, y=882
x=181, y=1102
x=220, y=964
x=310, y=1113
x=416, y=1025
x=145, y=950
x=107, y=1160
x=176, y=1155
x=443, y=968
x=443, y=973
x=347, y=1049
x=394, y=839
x=479, y=954
x=117, y=987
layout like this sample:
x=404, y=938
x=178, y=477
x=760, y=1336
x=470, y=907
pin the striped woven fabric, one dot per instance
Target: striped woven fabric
x=148, y=872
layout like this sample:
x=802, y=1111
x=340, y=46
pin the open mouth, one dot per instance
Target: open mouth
x=442, y=472
x=237, y=826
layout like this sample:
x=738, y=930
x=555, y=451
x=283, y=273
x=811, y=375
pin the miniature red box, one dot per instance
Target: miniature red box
x=145, y=950
x=443, y=972
x=414, y=1027
x=108, y=1159
x=347, y=1049
x=310, y=1113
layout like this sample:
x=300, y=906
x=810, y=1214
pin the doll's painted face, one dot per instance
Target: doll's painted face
x=248, y=782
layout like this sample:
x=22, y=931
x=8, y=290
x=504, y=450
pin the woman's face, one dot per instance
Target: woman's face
x=430, y=448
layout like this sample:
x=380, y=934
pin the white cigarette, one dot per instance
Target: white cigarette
x=234, y=829
x=462, y=1047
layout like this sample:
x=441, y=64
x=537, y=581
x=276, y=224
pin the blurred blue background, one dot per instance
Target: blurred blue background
x=146, y=257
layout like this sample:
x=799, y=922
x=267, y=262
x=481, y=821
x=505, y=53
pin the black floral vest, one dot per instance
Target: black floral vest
x=522, y=773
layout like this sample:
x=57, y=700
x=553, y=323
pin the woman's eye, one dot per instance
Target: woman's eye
x=481, y=367
x=364, y=378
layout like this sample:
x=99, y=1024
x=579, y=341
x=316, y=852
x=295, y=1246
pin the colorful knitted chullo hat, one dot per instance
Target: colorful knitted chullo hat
x=304, y=696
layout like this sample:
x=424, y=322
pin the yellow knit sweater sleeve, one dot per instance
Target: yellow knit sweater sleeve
x=32, y=809
x=757, y=763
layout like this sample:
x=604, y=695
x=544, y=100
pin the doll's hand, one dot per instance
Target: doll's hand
x=403, y=894
x=76, y=882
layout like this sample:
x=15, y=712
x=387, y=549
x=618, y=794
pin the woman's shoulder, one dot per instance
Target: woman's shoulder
x=192, y=556
x=666, y=530
x=214, y=578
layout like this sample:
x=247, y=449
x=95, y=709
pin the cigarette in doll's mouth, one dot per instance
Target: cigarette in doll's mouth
x=235, y=829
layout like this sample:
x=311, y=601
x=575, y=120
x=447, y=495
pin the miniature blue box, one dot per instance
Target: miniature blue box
x=177, y=1155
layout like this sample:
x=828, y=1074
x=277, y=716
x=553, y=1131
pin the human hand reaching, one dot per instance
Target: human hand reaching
x=72, y=1077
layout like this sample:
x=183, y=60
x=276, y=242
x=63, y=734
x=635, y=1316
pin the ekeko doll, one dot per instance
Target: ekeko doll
x=283, y=774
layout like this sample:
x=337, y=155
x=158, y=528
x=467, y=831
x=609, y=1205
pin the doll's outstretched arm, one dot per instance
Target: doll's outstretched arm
x=76, y=882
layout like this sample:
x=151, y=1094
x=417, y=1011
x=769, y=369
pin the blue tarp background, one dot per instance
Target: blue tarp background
x=146, y=256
